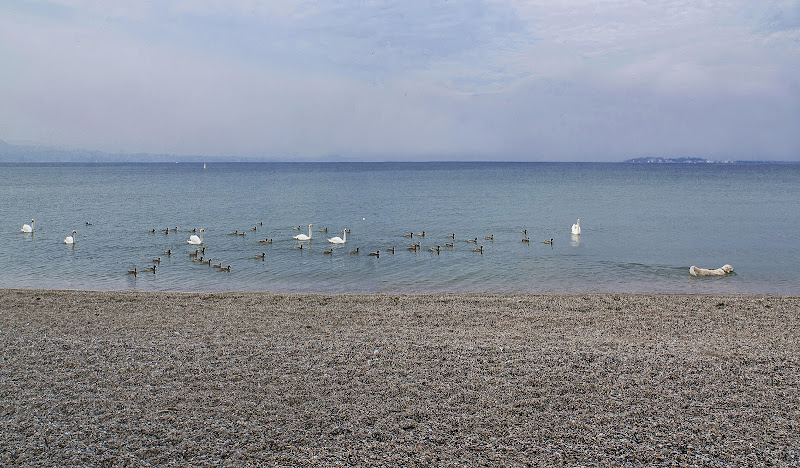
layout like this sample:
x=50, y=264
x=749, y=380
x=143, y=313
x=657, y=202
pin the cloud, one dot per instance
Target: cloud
x=576, y=80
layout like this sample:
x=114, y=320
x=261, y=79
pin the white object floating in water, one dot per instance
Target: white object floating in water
x=70, y=239
x=28, y=228
x=194, y=240
x=576, y=228
x=303, y=237
x=722, y=271
x=339, y=240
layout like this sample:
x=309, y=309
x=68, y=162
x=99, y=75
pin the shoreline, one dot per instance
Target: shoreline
x=248, y=378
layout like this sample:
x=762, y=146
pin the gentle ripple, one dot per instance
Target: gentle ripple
x=643, y=226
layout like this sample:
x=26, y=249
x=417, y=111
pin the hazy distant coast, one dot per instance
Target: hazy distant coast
x=129, y=378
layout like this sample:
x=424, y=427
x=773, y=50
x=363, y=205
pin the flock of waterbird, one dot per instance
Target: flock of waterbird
x=199, y=254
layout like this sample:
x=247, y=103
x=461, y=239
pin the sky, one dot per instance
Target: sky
x=511, y=80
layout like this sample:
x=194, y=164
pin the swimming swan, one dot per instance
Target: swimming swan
x=724, y=270
x=194, y=240
x=27, y=228
x=339, y=240
x=303, y=237
x=576, y=228
x=71, y=239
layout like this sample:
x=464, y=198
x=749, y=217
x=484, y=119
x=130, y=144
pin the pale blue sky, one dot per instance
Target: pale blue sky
x=575, y=80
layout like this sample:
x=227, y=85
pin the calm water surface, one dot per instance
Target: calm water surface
x=642, y=226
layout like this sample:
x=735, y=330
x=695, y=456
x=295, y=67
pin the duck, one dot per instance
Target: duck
x=88, y=223
x=473, y=241
x=526, y=240
x=354, y=251
x=478, y=249
x=375, y=254
x=328, y=252
x=448, y=244
x=265, y=241
x=491, y=237
x=576, y=228
x=262, y=256
x=548, y=242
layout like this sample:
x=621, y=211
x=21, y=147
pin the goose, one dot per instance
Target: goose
x=448, y=244
x=296, y=228
x=152, y=231
x=451, y=236
x=325, y=229
x=421, y=234
x=27, y=227
x=261, y=257
x=195, y=240
x=576, y=228
x=206, y=262
x=489, y=237
x=435, y=249
x=328, y=252
x=151, y=268
x=414, y=247
x=175, y=229
x=194, y=254
x=157, y=260
x=548, y=242
x=89, y=223
x=408, y=234
x=165, y=231
x=525, y=232
x=242, y=233
x=200, y=259
x=193, y=230
x=260, y=223
x=390, y=250
x=254, y=228
x=473, y=241
x=299, y=247
x=303, y=237
x=234, y=233
x=354, y=251
x=375, y=254
x=133, y=272
x=168, y=253
x=218, y=265
x=227, y=268
x=526, y=240
x=339, y=240
x=478, y=249
x=265, y=241
x=71, y=239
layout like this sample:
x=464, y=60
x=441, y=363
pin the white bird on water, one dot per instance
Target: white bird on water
x=27, y=228
x=70, y=239
x=303, y=237
x=576, y=228
x=194, y=240
x=339, y=240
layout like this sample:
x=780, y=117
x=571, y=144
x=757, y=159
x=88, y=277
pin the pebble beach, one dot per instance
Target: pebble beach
x=261, y=379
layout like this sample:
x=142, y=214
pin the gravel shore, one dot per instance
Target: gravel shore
x=257, y=379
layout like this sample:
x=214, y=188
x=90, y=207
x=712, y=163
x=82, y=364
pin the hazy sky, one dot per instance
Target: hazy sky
x=540, y=80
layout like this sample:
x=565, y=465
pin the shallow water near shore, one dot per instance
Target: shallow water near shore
x=642, y=227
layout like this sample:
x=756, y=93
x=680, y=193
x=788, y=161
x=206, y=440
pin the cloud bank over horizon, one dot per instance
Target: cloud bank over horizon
x=475, y=79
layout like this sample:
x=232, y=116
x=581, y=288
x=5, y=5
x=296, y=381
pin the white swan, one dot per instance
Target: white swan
x=339, y=240
x=303, y=237
x=27, y=228
x=194, y=240
x=576, y=228
x=70, y=239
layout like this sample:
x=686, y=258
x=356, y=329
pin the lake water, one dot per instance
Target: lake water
x=643, y=225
